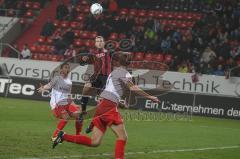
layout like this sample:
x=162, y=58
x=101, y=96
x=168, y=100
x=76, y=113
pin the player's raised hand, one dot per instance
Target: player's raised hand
x=41, y=88
x=154, y=99
x=85, y=58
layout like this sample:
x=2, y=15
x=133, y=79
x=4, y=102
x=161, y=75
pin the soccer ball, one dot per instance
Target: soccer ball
x=96, y=9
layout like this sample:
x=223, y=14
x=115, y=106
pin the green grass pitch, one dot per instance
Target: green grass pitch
x=26, y=127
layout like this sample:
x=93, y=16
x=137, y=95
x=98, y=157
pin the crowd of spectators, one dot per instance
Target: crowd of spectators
x=211, y=46
x=206, y=48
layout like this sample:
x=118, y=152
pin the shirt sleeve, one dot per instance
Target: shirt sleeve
x=53, y=81
x=126, y=78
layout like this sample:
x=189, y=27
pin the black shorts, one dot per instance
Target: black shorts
x=99, y=81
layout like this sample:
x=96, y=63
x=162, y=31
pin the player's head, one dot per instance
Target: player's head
x=121, y=58
x=65, y=68
x=99, y=42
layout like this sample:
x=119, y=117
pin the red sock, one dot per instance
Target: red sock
x=78, y=139
x=78, y=126
x=119, y=149
x=60, y=126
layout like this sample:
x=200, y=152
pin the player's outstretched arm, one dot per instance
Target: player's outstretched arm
x=43, y=87
x=139, y=91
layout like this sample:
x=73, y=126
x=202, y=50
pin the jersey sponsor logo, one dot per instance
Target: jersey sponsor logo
x=6, y=85
x=100, y=55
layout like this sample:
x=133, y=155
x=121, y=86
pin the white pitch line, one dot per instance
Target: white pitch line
x=137, y=153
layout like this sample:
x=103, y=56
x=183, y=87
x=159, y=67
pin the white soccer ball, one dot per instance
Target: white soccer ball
x=96, y=9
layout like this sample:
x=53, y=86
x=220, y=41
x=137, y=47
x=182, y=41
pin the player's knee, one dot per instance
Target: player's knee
x=123, y=137
x=95, y=143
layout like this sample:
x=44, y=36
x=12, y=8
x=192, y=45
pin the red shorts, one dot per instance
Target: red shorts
x=106, y=115
x=65, y=109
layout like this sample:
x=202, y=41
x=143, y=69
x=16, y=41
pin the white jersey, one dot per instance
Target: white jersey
x=114, y=86
x=61, y=91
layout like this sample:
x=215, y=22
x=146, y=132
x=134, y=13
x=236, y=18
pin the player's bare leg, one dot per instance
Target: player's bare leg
x=121, y=135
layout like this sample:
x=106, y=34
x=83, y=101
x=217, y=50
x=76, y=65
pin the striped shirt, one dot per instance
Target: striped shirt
x=102, y=61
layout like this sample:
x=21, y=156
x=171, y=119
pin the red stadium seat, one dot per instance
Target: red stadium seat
x=141, y=13
x=74, y=25
x=189, y=16
x=86, y=10
x=41, y=39
x=36, y=6
x=113, y=36
x=11, y=12
x=158, y=58
x=29, y=14
x=64, y=24
x=160, y=14
x=28, y=5
x=93, y=34
x=35, y=56
x=43, y=49
x=84, y=2
x=133, y=12
x=168, y=58
x=78, y=42
x=84, y=35
x=80, y=17
x=33, y=48
x=123, y=11
x=170, y=15
x=54, y=58
x=49, y=41
x=56, y=23
x=138, y=56
x=77, y=33
x=122, y=36
x=23, y=21
x=150, y=13
x=89, y=43
x=148, y=57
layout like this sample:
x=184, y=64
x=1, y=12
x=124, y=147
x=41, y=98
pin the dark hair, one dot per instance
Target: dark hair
x=98, y=37
x=63, y=64
x=122, y=58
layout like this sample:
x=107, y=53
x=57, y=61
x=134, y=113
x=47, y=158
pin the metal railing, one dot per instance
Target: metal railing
x=11, y=47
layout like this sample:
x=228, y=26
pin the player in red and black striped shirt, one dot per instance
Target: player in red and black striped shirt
x=102, y=68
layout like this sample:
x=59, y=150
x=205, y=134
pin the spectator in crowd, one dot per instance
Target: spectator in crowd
x=48, y=28
x=219, y=71
x=59, y=47
x=61, y=11
x=183, y=68
x=113, y=7
x=70, y=53
x=72, y=12
x=74, y=2
x=68, y=37
x=25, y=53
x=235, y=52
x=208, y=70
x=166, y=44
x=230, y=63
x=58, y=34
x=208, y=55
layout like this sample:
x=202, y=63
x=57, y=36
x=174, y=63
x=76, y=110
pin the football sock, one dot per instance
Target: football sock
x=78, y=139
x=60, y=126
x=119, y=149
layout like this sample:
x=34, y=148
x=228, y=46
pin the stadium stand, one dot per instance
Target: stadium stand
x=174, y=32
